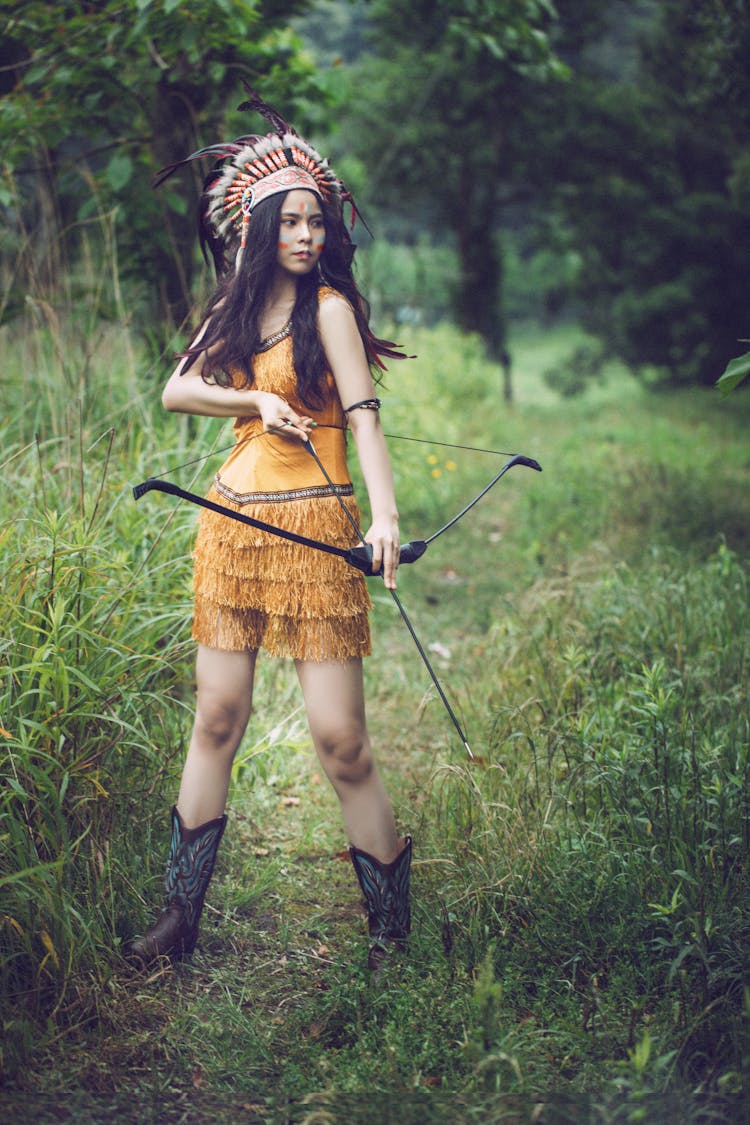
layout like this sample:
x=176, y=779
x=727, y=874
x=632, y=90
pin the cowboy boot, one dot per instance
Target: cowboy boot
x=192, y=854
x=386, y=890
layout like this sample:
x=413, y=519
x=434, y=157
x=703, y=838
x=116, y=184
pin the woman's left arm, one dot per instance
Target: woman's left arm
x=348, y=362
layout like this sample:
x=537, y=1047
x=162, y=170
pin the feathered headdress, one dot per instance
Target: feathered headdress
x=250, y=169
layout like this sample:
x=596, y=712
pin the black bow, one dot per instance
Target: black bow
x=359, y=556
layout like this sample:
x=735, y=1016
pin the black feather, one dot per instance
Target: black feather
x=274, y=119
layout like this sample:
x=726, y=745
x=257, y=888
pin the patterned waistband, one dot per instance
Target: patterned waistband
x=282, y=497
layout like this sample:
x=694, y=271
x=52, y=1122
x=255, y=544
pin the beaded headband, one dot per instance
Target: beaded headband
x=256, y=171
x=240, y=200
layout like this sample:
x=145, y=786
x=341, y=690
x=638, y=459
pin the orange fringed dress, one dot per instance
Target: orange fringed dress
x=254, y=590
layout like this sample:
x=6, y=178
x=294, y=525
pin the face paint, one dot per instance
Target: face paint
x=302, y=232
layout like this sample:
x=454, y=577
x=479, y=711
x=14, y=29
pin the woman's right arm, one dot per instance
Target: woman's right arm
x=187, y=392
x=190, y=394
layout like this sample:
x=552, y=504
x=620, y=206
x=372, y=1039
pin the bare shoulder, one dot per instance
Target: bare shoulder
x=342, y=344
x=337, y=326
x=333, y=309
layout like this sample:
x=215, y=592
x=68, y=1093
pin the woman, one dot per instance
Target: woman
x=286, y=350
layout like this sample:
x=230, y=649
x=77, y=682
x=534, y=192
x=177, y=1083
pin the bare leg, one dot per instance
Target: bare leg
x=334, y=700
x=223, y=706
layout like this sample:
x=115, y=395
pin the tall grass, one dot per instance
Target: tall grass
x=609, y=839
x=93, y=606
x=581, y=894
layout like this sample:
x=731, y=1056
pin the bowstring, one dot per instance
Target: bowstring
x=449, y=445
x=326, y=426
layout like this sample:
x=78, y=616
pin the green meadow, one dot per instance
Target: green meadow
x=581, y=899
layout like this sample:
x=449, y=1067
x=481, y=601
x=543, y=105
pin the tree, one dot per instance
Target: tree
x=651, y=180
x=99, y=95
x=437, y=126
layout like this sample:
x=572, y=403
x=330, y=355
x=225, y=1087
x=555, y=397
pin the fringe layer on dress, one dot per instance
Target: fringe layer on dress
x=254, y=590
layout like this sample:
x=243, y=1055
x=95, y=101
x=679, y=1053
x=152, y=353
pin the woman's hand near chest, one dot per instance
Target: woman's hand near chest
x=187, y=392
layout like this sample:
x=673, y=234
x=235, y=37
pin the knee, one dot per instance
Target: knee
x=347, y=757
x=220, y=724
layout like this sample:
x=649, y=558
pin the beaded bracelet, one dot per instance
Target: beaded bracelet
x=365, y=404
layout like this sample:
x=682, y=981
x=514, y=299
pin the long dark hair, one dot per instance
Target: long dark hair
x=234, y=310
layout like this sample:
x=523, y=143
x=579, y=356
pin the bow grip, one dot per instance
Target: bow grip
x=361, y=556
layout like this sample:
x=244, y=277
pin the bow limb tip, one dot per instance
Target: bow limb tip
x=142, y=488
x=529, y=462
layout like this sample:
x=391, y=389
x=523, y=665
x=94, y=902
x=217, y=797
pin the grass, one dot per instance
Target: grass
x=580, y=894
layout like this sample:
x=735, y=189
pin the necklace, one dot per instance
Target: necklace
x=275, y=337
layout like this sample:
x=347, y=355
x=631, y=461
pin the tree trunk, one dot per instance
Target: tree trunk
x=478, y=302
x=174, y=254
x=41, y=259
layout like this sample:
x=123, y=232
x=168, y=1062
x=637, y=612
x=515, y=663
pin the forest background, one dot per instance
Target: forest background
x=561, y=199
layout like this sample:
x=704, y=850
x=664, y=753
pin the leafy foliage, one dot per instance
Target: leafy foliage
x=438, y=128
x=649, y=173
x=635, y=167
x=98, y=99
x=737, y=370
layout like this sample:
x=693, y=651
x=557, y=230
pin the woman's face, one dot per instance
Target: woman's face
x=302, y=233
